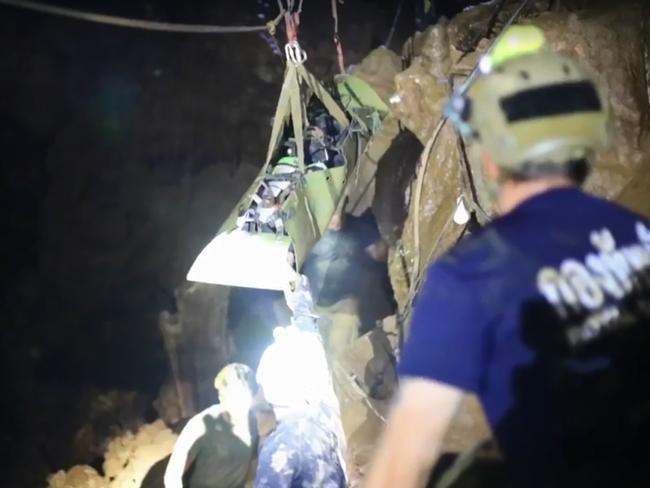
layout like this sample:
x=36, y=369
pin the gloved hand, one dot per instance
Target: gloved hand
x=298, y=296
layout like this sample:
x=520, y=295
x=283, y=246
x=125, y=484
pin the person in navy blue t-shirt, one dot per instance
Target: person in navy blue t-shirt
x=543, y=313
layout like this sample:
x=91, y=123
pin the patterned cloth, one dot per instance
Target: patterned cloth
x=302, y=452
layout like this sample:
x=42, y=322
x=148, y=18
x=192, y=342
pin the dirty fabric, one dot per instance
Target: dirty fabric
x=545, y=315
x=302, y=452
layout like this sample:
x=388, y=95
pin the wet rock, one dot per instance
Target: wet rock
x=77, y=477
x=168, y=404
x=105, y=415
x=429, y=230
x=362, y=419
x=340, y=325
x=370, y=360
x=129, y=458
x=378, y=69
x=610, y=41
x=390, y=326
x=421, y=98
x=197, y=341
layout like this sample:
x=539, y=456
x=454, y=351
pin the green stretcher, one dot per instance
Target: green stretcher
x=267, y=236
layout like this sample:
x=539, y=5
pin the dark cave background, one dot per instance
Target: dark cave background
x=122, y=150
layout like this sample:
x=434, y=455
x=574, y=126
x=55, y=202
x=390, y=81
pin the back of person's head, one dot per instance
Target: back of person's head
x=236, y=385
x=536, y=112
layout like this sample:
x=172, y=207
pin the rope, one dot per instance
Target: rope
x=291, y=22
x=512, y=18
x=393, y=27
x=138, y=23
x=359, y=391
x=418, y=195
x=416, y=275
x=337, y=40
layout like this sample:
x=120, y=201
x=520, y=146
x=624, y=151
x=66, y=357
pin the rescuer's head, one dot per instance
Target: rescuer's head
x=532, y=112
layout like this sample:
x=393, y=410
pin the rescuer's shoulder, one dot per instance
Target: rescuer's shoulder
x=477, y=255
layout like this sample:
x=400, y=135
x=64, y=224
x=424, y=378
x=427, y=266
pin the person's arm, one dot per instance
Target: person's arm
x=179, y=459
x=413, y=437
x=444, y=356
x=299, y=300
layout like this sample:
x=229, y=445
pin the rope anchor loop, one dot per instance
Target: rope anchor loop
x=295, y=53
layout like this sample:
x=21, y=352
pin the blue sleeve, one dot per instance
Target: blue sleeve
x=446, y=341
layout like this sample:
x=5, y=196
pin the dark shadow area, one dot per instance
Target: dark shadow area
x=218, y=459
x=584, y=399
x=340, y=267
x=252, y=316
x=479, y=473
x=395, y=171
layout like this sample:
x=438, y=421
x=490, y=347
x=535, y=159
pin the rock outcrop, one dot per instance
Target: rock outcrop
x=129, y=460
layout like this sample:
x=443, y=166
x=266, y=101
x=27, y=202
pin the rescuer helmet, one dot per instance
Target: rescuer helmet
x=534, y=109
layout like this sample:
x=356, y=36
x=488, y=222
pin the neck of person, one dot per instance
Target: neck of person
x=239, y=419
x=513, y=193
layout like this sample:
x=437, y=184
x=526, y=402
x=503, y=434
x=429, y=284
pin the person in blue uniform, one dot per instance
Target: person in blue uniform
x=306, y=448
x=545, y=312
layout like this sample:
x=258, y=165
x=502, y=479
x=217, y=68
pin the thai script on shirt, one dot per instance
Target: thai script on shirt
x=609, y=289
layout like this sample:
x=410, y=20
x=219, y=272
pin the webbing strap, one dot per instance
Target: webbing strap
x=297, y=121
x=281, y=111
x=323, y=95
x=290, y=104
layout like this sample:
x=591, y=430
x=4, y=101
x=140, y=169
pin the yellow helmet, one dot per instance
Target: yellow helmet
x=532, y=107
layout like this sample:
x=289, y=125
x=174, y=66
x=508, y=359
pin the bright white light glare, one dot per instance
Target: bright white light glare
x=293, y=371
x=461, y=215
x=485, y=64
x=240, y=258
x=237, y=398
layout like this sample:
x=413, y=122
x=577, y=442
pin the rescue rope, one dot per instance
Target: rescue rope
x=510, y=21
x=149, y=25
x=424, y=163
x=393, y=26
x=337, y=39
x=415, y=276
